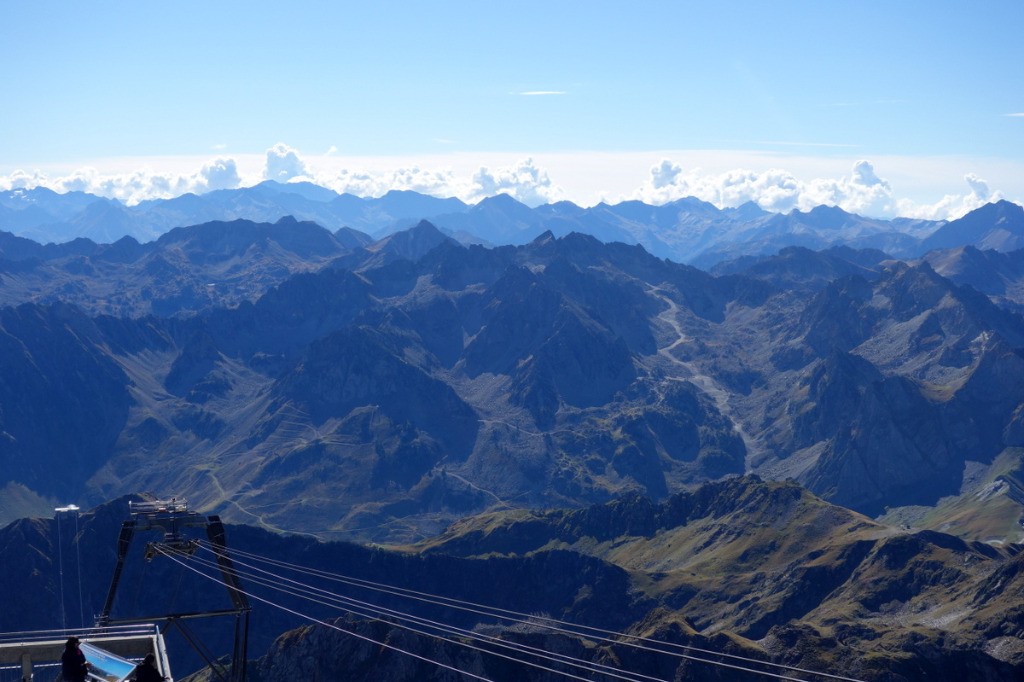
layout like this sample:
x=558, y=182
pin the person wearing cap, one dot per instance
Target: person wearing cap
x=73, y=665
x=146, y=671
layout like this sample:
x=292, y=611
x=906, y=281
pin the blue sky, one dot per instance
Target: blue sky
x=362, y=95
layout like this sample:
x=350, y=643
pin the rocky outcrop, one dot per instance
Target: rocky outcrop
x=417, y=378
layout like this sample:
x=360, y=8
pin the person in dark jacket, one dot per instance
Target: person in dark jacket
x=146, y=671
x=73, y=666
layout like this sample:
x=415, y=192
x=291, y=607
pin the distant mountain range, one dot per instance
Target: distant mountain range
x=608, y=435
x=687, y=231
x=340, y=384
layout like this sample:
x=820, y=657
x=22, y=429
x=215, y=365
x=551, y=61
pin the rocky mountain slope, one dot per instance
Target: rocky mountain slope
x=411, y=381
x=216, y=264
x=756, y=569
x=768, y=562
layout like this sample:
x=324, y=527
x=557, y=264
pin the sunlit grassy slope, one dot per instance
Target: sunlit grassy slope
x=767, y=560
x=989, y=509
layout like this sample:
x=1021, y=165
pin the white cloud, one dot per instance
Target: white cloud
x=220, y=174
x=775, y=189
x=864, y=174
x=862, y=192
x=952, y=205
x=20, y=179
x=541, y=93
x=523, y=181
x=129, y=188
x=665, y=174
x=893, y=186
x=364, y=183
x=979, y=187
x=132, y=187
x=1019, y=114
x=435, y=182
x=284, y=164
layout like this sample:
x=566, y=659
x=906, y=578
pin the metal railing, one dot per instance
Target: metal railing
x=116, y=631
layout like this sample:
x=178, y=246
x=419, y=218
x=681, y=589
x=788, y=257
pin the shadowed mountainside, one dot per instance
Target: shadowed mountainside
x=411, y=381
x=759, y=569
x=187, y=270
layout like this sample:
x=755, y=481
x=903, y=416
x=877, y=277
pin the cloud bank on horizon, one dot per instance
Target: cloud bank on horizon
x=862, y=191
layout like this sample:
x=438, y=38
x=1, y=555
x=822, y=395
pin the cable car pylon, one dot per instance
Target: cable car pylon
x=171, y=517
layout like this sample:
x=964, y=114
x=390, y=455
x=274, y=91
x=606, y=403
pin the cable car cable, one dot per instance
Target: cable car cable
x=373, y=612
x=336, y=627
x=517, y=616
x=674, y=654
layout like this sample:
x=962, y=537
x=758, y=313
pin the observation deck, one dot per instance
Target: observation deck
x=37, y=653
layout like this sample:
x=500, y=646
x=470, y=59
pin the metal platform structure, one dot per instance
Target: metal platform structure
x=172, y=517
x=37, y=653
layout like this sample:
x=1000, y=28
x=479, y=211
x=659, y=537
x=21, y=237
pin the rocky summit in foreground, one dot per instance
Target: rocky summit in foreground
x=762, y=571
x=759, y=570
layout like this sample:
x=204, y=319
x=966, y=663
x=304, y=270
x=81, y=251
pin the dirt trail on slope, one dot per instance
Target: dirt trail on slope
x=705, y=383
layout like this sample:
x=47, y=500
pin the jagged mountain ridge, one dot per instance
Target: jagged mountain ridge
x=46, y=216
x=687, y=230
x=996, y=274
x=564, y=371
x=885, y=367
x=186, y=270
x=758, y=569
x=997, y=226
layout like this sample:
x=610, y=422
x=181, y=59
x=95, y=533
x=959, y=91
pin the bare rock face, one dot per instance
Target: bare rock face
x=190, y=374
x=757, y=568
x=416, y=378
x=760, y=569
x=884, y=439
x=394, y=390
x=898, y=382
x=355, y=368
